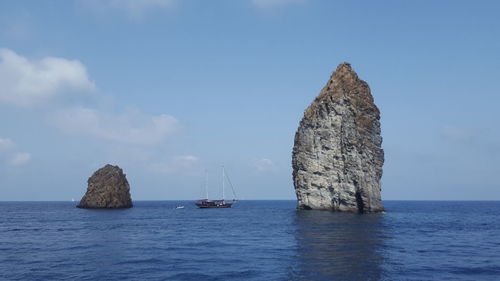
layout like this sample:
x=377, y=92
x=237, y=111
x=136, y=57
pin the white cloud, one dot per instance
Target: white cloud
x=20, y=158
x=264, y=165
x=273, y=3
x=28, y=82
x=129, y=127
x=10, y=155
x=179, y=164
x=5, y=144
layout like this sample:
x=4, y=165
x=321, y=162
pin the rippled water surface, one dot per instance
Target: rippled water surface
x=255, y=240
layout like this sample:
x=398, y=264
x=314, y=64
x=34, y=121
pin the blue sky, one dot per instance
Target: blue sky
x=167, y=88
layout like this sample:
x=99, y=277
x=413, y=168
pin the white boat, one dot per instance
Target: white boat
x=179, y=207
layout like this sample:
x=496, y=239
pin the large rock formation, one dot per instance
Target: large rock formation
x=337, y=156
x=107, y=188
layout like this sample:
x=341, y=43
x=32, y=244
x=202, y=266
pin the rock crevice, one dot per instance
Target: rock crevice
x=337, y=155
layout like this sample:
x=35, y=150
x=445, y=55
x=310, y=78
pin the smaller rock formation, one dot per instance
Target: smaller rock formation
x=108, y=189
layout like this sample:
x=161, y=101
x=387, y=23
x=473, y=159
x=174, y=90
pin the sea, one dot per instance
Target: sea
x=254, y=240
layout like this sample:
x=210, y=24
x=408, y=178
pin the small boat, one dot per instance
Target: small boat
x=223, y=203
x=179, y=207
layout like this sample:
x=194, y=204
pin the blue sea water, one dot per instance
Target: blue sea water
x=254, y=240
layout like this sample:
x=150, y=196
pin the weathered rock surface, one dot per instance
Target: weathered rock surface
x=107, y=188
x=337, y=156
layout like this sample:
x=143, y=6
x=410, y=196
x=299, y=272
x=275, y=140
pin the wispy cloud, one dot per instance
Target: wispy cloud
x=264, y=165
x=265, y=4
x=134, y=9
x=138, y=8
x=28, y=83
x=476, y=140
x=128, y=127
x=179, y=164
x=9, y=154
x=6, y=144
x=460, y=134
x=20, y=158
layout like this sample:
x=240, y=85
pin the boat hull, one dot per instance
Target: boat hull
x=219, y=206
x=206, y=204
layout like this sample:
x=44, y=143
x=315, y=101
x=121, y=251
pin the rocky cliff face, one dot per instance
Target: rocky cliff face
x=337, y=156
x=107, y=188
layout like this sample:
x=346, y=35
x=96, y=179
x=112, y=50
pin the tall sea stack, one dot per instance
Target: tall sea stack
x=107, y=189
x=337, y=156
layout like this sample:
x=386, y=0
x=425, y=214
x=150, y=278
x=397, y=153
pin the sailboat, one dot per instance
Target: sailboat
x=223, y=203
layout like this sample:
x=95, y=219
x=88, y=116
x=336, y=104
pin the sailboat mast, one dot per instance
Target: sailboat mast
x=223, y=176
x=206, y=182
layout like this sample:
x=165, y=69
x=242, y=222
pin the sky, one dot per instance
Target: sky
x=168, y=88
